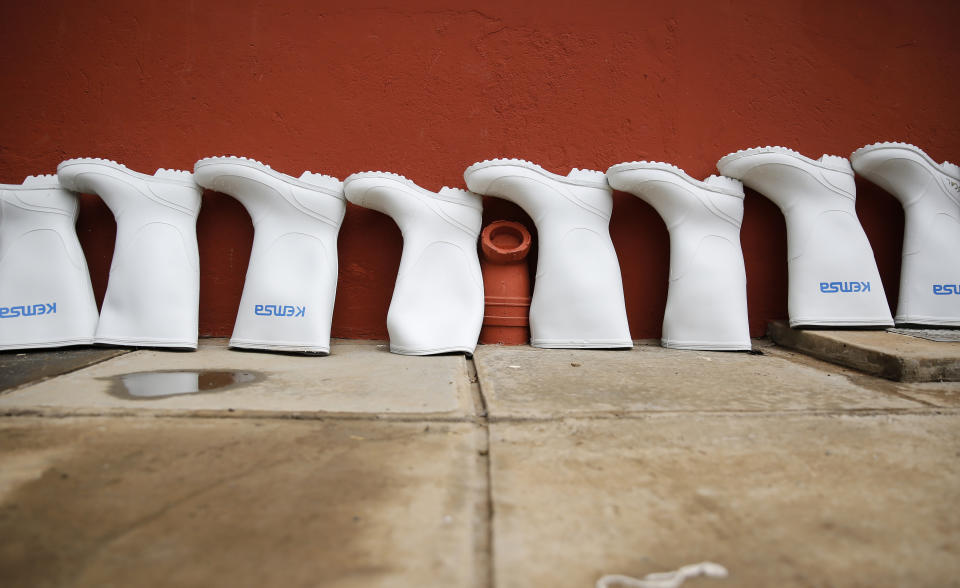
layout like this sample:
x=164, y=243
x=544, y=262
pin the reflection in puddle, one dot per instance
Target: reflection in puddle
x=165, y=384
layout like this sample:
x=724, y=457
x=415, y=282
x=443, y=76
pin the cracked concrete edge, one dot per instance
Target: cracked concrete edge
x=864, y=358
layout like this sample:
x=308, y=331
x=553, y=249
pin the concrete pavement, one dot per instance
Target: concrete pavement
x=518, y=467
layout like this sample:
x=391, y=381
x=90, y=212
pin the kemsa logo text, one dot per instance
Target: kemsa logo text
x=946, y=289
x=28, y=310
x=834, y=287
x=279, y=310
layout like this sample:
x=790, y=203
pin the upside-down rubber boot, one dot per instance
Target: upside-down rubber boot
x=437, y=304
x=930, y=194
x=578, y=292
x=46, y=299
x=707, y=294
x=291, y=283
x=833, y=277
x=153, y=291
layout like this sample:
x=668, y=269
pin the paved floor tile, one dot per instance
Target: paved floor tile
x=358, y=377
x=800, y=501
x=233, y=502
x=21, y=367
x=528, y=382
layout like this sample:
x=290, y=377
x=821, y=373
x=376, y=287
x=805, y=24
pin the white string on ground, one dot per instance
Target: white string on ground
x=665, y=579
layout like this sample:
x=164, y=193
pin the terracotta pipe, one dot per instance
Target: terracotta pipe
x=506, y=283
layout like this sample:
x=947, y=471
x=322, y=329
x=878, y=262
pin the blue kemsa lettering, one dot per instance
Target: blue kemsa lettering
x=279, y=310
x=946, y=289
x=28, y=310
x=845, y=287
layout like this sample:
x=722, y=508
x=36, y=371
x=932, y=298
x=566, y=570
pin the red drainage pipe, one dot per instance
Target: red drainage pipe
x=506, y=283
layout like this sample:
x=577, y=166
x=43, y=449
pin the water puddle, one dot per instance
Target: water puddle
x=155, y=385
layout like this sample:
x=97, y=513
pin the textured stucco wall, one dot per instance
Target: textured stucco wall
x=425, y=88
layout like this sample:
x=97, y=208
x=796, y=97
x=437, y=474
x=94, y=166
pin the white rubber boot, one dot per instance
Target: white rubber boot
x=930, y=194
x=291, y=283
x=437, y=304
x=707, y=296
x=153, y=291
x=833, y=276
x=46, y=299
x=578, y=294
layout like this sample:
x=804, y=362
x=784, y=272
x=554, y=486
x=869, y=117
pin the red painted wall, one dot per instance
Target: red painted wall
x=425, y=88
